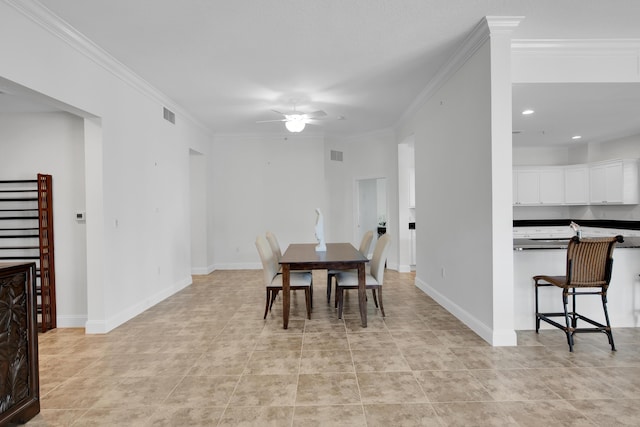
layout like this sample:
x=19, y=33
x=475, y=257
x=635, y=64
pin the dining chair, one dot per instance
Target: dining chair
x=275, y=248
x=273, y=280
x=588, y=272
x=373, y=279
x=365, y=243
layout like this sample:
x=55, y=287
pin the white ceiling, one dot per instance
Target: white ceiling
x=230, y=62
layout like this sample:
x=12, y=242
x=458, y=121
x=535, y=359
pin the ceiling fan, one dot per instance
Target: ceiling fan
x=295, y=121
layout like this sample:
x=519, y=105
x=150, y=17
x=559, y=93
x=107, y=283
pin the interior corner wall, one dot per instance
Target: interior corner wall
x=144, y=234
x=366, y=156
x=453, y=185
x=53, y=144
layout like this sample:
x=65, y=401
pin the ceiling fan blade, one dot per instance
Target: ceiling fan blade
x=268, y=121
x=316, y=114
x=278, y=112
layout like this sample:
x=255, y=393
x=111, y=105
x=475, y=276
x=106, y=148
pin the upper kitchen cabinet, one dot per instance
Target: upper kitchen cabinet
x=538, y=186
x=576, y=185
x=614, y=182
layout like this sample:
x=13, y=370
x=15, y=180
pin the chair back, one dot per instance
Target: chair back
x=590, y=261
x=365, y=244
x=275, y=246
x=380, y=257
x=269, y=263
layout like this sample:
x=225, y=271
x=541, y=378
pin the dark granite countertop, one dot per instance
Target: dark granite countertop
x=561, y=243
x=599, y=223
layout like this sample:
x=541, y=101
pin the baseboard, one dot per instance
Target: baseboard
x=202, y=271
x=104, y=326
x=71, y=321
x=496, y=338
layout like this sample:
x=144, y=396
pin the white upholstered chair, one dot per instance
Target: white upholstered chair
x=374, y=278
x=273, y=280
x=365, y=244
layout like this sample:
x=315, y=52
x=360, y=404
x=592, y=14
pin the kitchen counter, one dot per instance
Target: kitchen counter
x=520, y=244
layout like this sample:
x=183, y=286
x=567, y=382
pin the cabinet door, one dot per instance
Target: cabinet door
x=576, y=185
x=606, y=183
x=552, y=186
x=528, y=187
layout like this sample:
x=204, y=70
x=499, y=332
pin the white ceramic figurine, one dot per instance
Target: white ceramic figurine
x=321, y=247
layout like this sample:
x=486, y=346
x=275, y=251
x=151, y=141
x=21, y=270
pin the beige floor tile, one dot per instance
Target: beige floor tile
x=203, y=391
x=171, y=416
x=390, y=387
x=437, y=358
x=56, y=417
x=325, y=361
x=401, y=415
x=327, y=389
x=464, y=414
x=610, y=412
x=546, y=413
x=325, y=341
x=380, y=360
x=336, y=415
x=452, y=386
x=273, y=362
x=513, y=384
x=265, y=390
x=260, y=416
x=486, y=357
x=102, y=417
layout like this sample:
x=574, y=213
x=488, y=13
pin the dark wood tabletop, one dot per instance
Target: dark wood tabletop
x=303, y=256
x=338, y=256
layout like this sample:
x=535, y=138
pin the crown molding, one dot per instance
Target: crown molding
x=45, y=18
x=606, y=47
x=476, y=38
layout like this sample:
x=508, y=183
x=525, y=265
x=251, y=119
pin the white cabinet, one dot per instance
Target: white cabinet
x=552, y=186
x=576, y=185
x=614, y=182
x=539, y=186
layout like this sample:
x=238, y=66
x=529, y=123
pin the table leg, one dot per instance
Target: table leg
x=362, y=294
x=286, y=294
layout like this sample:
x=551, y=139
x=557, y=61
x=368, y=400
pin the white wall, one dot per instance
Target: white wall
x=53, y=144
x=265, y=183
x=137, y=165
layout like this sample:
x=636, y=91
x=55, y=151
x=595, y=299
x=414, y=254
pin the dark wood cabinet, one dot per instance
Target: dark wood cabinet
x=19, y=381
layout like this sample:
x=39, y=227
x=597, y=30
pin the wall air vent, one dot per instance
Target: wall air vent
x=336, y=155
x=169, y=115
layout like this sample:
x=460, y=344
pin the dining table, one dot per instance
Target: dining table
x=337, y=256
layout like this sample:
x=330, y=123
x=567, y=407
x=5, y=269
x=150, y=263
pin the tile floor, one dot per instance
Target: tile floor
x=205, y=357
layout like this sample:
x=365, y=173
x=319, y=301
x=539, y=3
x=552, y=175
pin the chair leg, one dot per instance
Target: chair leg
x=307, y=298
x=537, y=311
x=380, y=298
x=329, y=284
x=608, y=331
x=340, y=297
x=375, y=300
x=266, y=306
x=274, y=294
x=568, y=321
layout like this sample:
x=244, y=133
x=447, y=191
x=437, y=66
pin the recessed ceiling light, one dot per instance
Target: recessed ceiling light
x=576, y=137
x=527, y=112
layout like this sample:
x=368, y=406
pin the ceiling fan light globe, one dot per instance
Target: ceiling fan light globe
x=295, y=125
